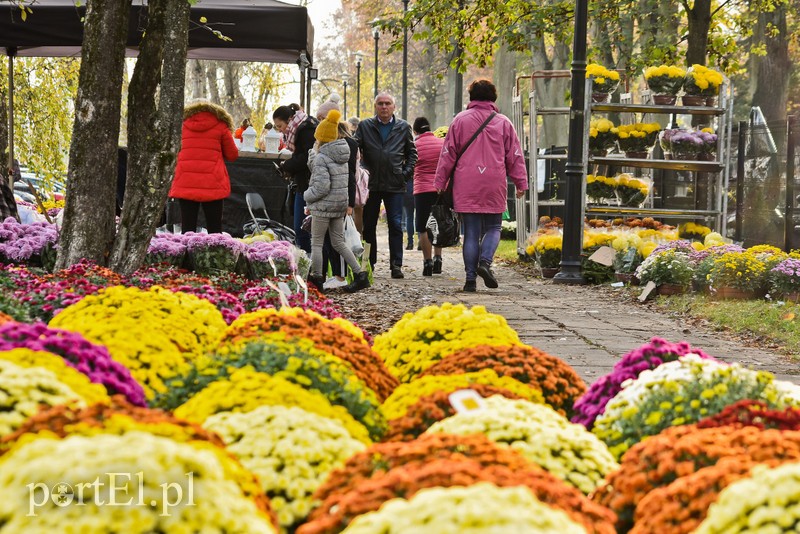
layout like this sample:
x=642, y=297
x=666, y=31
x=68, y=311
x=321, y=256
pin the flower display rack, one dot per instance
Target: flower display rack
x=713, y=175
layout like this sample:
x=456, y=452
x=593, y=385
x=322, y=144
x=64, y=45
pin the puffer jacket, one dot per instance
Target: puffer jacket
x=206, y=143
x=326, y=195
x=390, y=163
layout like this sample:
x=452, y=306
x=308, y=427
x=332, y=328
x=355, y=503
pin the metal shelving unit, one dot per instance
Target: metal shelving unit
x=716, y=173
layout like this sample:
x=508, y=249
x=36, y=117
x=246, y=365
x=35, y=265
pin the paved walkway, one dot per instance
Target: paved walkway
x=587, y=326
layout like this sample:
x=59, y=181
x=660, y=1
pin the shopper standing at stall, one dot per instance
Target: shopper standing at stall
x=429, y=147
x=388, y=152
x=298, y=132
x=480, y=151
x=201, y=178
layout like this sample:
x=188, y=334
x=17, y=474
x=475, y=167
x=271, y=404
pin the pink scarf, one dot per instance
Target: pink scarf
x=291, y=128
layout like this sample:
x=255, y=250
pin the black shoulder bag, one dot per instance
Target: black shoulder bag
x=444, y=226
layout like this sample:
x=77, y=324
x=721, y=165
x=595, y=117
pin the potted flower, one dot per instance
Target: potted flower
x=166, y=248
x=630, y=191
x=212, y=254
x=665, y=81
x=738, y=275
x=693, y=231
x=784, y=279
x=627, y=257
x=602, y=136
x=636, y=139
x=701, y=86
x=693, y=145
x=669, y=269
x=600, y=188
x=604, y=82
x=546, y=248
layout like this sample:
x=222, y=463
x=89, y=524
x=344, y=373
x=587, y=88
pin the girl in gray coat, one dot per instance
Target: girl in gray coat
x=326, y=200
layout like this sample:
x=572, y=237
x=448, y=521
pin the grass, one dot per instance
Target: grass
x=507, y=250
x=775, y=322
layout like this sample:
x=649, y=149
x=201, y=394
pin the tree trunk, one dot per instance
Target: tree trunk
x=772, y=70
x=234, y=101
x=699, y=19
x=211, y=83
x=505, y=74
x=552, y=92
x=88, y=230
x=155, y=130
x=197, y=80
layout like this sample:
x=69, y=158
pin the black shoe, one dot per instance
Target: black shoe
x=396, y=272
x=317, y=280
x=360, y=281
x=485, y=272
x=437, y=265
x=427, y=268
x=410, y=246
x=471, y=286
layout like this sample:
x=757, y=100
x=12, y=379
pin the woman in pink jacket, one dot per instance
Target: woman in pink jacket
x=479, y=177
x=429, y=147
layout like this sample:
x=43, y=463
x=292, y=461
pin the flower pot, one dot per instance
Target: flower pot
x=549, y=272
x=664, y=100
x=626, y=278
x=711, y=101
x=693, y=100
x=601, y=97
x=671, y=289
x=791, y=297
x=637, y=155
x=599, y=153
x=727, y=293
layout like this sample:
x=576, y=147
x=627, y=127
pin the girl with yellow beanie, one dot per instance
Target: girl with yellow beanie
x=326, y=200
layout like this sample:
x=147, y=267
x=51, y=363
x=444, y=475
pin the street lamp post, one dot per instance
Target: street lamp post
x=376, y=33
x=570, y=272
x=405, y=63
x=359, y=59
x=345, y=77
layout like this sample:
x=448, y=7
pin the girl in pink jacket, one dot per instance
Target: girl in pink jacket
x=479, y=177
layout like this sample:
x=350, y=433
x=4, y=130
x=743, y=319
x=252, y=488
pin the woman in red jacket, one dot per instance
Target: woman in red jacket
x=201, y=178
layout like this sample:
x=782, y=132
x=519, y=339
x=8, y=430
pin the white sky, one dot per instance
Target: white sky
x=321, y=13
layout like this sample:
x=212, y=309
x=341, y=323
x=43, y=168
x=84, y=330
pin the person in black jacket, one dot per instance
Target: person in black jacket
x=388, y=152
x=298, y=132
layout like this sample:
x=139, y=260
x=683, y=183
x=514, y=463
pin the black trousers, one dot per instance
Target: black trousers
x=212, y=210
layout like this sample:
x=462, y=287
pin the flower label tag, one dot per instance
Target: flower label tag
x=647, y=290
x=285, y=289
x=604, y=256
x=274, y=268
x=281, y=294
x=302, y=283
x=466, y=400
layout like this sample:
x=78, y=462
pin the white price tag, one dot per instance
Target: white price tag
x=281, y=294
x=302, y=283
x=285, y=289
x=466, y=400
x=604, y=256
x=274, y=268
x=648, y=288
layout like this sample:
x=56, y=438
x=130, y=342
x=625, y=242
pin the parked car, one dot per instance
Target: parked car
x=54, y=189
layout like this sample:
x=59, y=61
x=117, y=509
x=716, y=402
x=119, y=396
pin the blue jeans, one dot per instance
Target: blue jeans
x=481, y=237
x=394, y=218
x=302, y=237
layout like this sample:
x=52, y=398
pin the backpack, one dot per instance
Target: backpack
x=362, y=184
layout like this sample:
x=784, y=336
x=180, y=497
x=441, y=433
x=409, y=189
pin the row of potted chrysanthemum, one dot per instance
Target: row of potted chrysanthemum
x=685, y=426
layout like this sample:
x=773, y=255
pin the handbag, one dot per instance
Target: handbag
x=443, y=225
x=351, y=237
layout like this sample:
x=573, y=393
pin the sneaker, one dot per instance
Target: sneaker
x=334, y=283
x=427, y=268
x=437, y=265
x=360, y=281
x=471, y=286
x=485, y=272
x=396, y=272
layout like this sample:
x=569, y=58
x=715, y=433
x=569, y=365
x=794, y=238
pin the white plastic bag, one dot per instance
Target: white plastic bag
x=351, y=236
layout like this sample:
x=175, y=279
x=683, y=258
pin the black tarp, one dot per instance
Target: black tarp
x=259, y=30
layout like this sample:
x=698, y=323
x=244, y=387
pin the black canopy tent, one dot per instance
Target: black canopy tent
x=256, y=30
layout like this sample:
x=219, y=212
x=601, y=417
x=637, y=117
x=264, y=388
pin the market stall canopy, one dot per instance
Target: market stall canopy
x=258, y=30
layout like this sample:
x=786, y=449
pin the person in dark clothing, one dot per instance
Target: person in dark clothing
x=122, y=177
x=388, y=152
x=298, y=132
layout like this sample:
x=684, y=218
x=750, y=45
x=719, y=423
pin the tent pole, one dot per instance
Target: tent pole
x=11, y=52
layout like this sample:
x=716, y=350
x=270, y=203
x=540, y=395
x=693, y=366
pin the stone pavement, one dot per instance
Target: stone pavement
x=588, y=326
